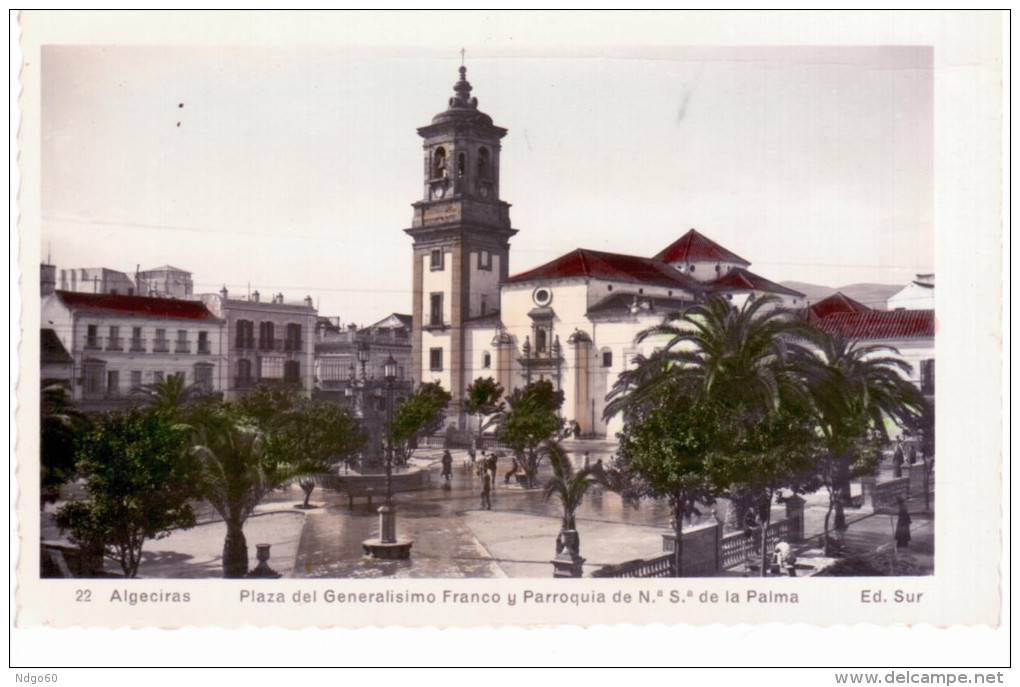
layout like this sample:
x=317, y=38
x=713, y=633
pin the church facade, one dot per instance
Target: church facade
x=573, y=320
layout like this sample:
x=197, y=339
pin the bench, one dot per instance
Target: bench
x=353, y=493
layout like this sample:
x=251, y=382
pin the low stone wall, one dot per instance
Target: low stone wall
x=360, y=484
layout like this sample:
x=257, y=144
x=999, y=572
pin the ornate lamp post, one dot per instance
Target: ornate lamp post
x=388, y=545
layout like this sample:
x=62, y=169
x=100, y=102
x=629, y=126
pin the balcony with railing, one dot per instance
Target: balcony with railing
x=161, y=346
x=93, y=342
x=137, y=344
x=203, y=348
x=115, y=343
x=182, y=346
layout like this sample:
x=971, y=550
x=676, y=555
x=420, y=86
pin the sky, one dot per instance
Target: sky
x=293, y=169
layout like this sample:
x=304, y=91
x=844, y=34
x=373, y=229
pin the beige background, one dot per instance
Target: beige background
x=968, y=261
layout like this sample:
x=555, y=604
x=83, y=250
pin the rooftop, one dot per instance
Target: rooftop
x=142, y=306
x=695, y=247
x=51, y=349
x=740, y=279
x=881, y=324
x=836, y=303
x=611, y=267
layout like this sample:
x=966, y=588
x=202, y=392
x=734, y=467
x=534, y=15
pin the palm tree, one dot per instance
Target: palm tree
x=737, y=362
x=854, y=387
x=239, y=467
x=172, y=393
x=569, y=486
x=736, y=357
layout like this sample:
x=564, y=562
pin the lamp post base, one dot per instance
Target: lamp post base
x=400, y=549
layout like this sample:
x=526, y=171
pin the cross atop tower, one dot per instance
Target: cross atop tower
x=462, y=51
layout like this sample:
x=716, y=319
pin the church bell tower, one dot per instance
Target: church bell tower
x=461, y=231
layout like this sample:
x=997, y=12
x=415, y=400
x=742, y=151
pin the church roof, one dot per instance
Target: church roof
x=695, y=247
x=836, y=303
x=143, y=306
x=611, y=267
x=881, y=324
x=739, y=279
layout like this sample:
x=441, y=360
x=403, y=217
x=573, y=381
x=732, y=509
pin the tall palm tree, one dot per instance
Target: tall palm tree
x=569, y=486
x=854, y=387
x=739, y=362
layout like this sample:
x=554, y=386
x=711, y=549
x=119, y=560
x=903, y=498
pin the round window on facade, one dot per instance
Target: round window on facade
x=609, y=287
x=542, y=296
x=692, y=269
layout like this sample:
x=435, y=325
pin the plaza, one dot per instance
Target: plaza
x=455, y=538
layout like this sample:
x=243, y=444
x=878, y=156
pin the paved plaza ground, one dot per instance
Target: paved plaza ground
x=455, y=538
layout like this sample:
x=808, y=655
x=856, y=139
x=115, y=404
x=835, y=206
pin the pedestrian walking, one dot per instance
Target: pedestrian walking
x=902, y=525
x=897, y=459
x=486, y=491
x=447, y=465
x=491, y=466
x=512, y=471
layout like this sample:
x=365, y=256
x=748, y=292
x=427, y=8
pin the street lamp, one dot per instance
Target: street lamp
x=390, y=375
x=388, y=545
x=363, y=355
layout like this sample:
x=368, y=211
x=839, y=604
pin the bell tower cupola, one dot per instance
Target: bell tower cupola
x=461, y=230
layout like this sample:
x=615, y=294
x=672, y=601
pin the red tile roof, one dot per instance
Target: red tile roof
x=695, y=247
x=739, y=279
x=835, y=303
x=143, y=306
x=610, y=266
x=881, y=324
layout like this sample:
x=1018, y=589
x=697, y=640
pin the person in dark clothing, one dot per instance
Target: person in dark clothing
x=486, y=491
x=447, y=466
x=902, y=526
x=897, y=459
x=511, y=472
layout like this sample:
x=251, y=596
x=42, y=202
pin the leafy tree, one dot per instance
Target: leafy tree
x=59, y=424
x=670, y=451
x=777, y=451
x=138, y=480
x=483, y=399
x=421, y=414
x=239, y=464
x=569, y=486
x=531, y=418
x=265, y=405
x=853, y=388
x=314, y=436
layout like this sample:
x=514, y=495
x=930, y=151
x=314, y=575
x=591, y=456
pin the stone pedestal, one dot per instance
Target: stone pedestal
x=568, y=562
x=388, y=545
x=795, y=511
x=262, y=570
x=400, y=549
